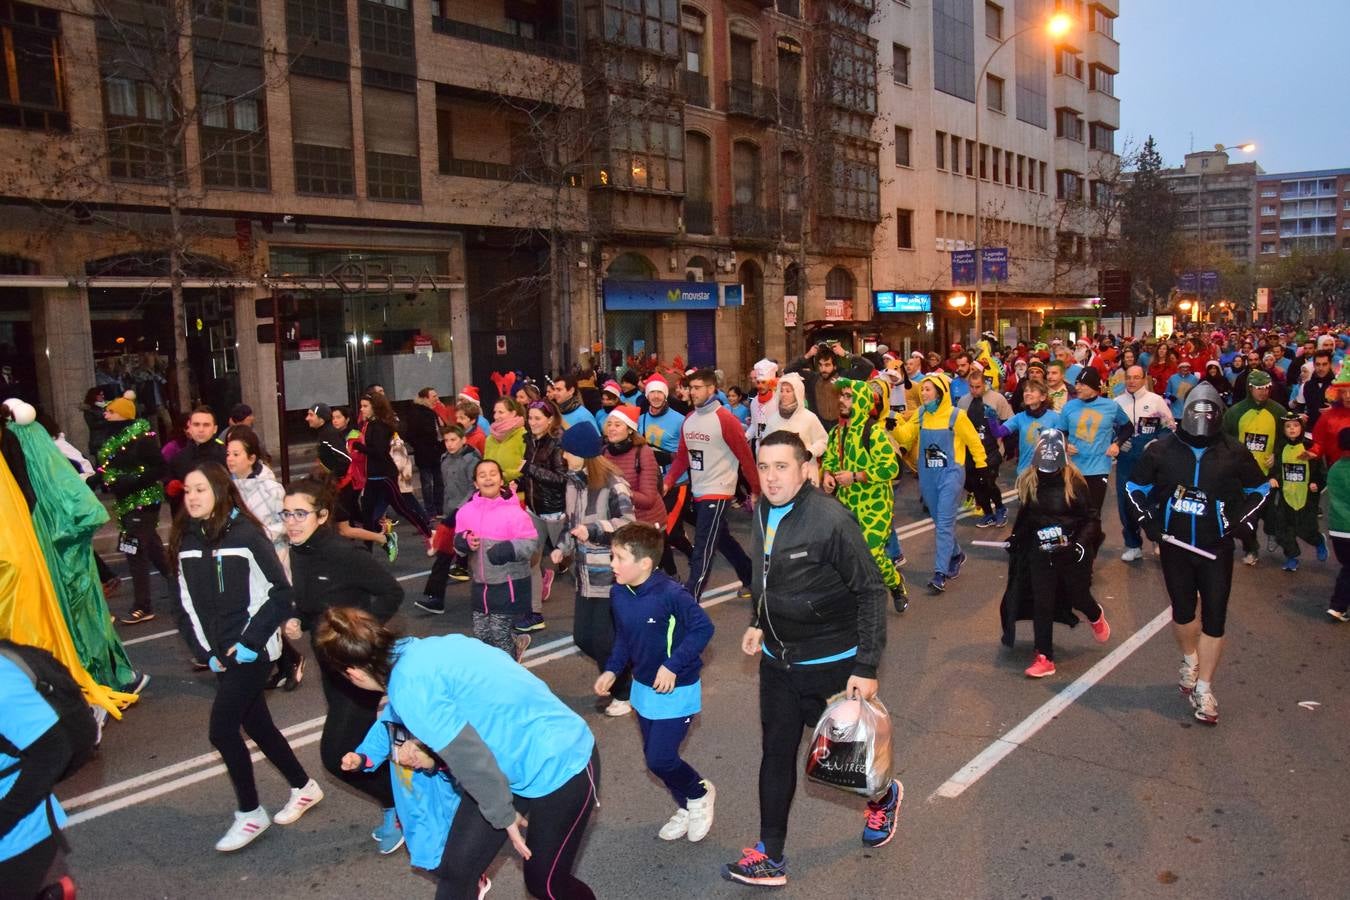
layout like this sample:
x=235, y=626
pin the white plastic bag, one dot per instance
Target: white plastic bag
x=851, y=746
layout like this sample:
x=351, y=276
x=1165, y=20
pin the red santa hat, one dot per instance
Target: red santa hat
x=628, y=415
x=612, y=387
x=658, y=384
x=470, y=393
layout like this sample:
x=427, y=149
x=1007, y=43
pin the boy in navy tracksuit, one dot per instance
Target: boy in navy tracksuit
x=660, y=630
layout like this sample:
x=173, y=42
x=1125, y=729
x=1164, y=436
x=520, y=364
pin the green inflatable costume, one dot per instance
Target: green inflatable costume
x=859, y=444
x=65, y=519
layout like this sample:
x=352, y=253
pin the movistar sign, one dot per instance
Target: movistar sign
x=659, y=295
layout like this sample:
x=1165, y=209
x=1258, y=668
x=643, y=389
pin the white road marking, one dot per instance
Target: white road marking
x=1002, y=746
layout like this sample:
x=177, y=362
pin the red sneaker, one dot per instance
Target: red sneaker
x=1041, y=667
x=1101, y=629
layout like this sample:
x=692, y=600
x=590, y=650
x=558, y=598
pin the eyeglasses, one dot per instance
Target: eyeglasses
x=298, y=515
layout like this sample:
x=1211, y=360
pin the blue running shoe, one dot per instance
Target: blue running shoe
x=1321, y=548
x=938, y=583
x=1291, y=564
x=957, y=562
x=755, y=868
x=1001, y=516
x=879, y=827
x=389, y=835
x=985, y=521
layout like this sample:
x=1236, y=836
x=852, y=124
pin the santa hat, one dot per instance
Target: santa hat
x=470, y=393
x=612, y=387
x=23, y=413
x=888, y=356
x=658, y=384
x=628, y=415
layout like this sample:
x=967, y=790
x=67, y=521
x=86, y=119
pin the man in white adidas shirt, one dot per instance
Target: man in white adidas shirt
x=1152, y=418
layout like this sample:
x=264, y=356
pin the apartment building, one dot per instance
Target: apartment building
x=1216, y=198
x=1301, y=212
x=423, y=193
x=1037, y=135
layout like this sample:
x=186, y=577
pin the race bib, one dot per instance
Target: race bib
x=1190, y=501
x=128, y=544
x=934, y=457
x=1295, y=473
x=696, y=460
x=1257, y=442
x=1052, y=537
x=1148, y=424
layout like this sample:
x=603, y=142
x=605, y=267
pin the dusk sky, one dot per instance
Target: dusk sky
x=1194, y=73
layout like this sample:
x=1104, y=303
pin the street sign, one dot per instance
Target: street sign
x=1187, y=282
x=1262, y=301
x=994, y=263
x=963, y=267
x=838, y=310
x=311, y=349
x=1113, y=286
x=501, y=345
x=1209, y=282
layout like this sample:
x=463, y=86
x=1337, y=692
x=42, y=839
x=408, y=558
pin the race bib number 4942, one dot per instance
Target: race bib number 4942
x=1190, y=502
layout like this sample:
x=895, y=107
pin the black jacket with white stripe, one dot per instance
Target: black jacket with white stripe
x=234, y=591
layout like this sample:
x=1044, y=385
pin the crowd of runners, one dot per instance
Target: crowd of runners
x=626, y=484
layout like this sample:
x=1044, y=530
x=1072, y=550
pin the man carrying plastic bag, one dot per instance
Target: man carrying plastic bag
x=818, y=627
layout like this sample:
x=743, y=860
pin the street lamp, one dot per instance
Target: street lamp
x=1056, y=27
x=1244, y=147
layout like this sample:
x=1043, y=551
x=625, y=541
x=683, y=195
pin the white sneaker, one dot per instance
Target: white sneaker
x=618, y=708
x=1206, y=707
x=299, y=804
x=246, y=827
x=701, y=813
x=484, y=885
x=1189, y=674
x=676, y=828
x=1338, y=615
x=1249, y=559
x=1132, y=553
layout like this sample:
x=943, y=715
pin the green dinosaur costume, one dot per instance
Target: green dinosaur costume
x=856, y=446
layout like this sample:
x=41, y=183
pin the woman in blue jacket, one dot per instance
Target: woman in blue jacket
x=514, y=749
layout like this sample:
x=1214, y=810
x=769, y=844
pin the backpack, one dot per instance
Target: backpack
x=54, y=683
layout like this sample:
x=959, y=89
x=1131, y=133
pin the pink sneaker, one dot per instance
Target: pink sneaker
x=547, y=581
x=1040, y=667
x=1101, y=629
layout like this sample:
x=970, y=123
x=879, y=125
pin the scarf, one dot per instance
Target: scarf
x=766, y=391
x=570, y=404
x=622, y=446
x=501, y=430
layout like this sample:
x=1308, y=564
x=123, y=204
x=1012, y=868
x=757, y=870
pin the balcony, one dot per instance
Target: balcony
x=751, y=101
x=752, y=222
x=472, y=168
x=507, y=41
x=694, y=86
x=698, y=216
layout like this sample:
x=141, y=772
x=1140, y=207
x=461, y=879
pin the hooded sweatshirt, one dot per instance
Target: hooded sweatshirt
x=802, y=422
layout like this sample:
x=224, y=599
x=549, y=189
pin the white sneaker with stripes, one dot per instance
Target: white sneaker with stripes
x=246, y=827
x=299, y=804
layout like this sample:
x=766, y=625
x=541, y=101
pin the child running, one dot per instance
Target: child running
x=660, y=630
x=1296, y=481
x=498, y=538
x=457, y=467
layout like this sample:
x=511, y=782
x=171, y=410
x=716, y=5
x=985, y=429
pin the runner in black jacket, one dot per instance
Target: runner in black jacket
x=329, y=571
x=818, y=627
x=234, y=597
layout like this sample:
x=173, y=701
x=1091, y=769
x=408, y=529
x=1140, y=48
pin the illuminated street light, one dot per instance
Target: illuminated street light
x=1059, y=25
x=957, y=301
x=1184, y=306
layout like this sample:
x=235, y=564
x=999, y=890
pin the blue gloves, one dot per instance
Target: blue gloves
x=501, y=553
x=215, y=665
x=244, y=654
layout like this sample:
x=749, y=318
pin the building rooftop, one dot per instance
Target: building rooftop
x=1315, y=173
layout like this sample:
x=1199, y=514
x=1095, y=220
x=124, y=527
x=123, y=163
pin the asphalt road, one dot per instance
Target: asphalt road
x=1120, y=793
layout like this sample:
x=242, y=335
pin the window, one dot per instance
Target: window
x=1021, y=166
x=234, y=141
x=392, y=168
x=790, y=8
x=997, y=169
x=1069, y=185
x=745, y=174
x=993, y=21
x=1102, y=137
x=853, y=74
x=954, y=48
x=236, y=12
x=1267, y=246
x=321, y=131
x=900, y=63
x=694, y=28
x=941, y=146
x=956, y=155
x=647, y=145
x=791, y=170
x=855, y=190
x=1033, y=83
x=984, y=160
x=1102, y=22
x=904, y=229
x=1068, y=125
x=1102, y=195
x=651, y=26
x=386, y=27
x=324, y=21
x=970, y=158
x=1068, y=63
x=136, y=119
x=993, y=93
x=1007, y=168
x=839, y=284
x=1103, y=80
x=30, y=96
x=902, y=136
x=1041, y=167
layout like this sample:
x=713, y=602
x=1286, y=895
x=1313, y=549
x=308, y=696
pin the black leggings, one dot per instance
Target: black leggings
x=1096, y=493
x=557, y=826
x=1052, y=578
x=351, y=712
x=141, y=525
x=240, y=701
x=380, y=494
x=24, y=876
x=983, y=484
x=1188, y=575
x=790, y=700
x=593, y=633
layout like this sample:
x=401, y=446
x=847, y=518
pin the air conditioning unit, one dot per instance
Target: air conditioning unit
x=941, y=245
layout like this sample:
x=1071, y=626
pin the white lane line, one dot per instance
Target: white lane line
x=714, y=597
x=1002, y=746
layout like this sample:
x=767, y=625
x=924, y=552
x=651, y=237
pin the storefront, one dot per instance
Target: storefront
x=632, y=309
x=904, y=320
